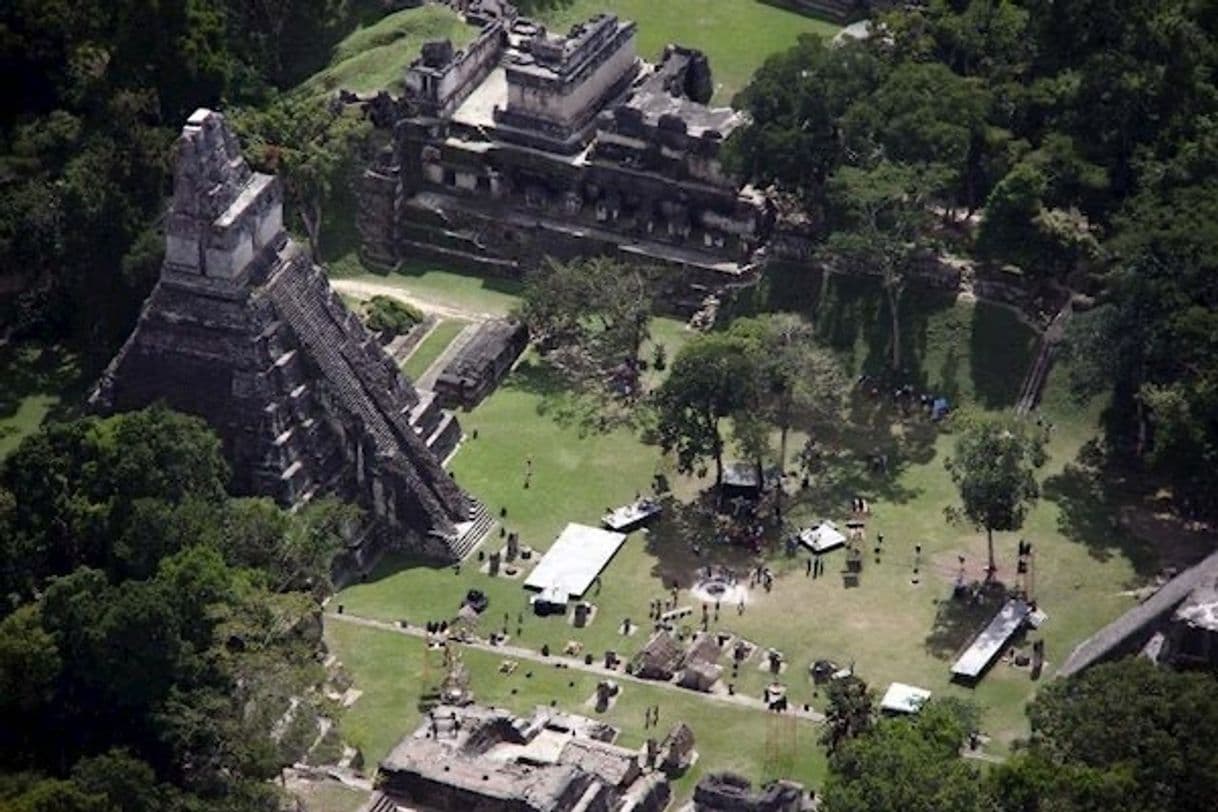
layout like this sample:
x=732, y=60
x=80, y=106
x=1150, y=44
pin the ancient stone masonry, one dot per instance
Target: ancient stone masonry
x=482, y=363
x=479, y=758
x=243, y=330
x=528, y=144
x=727, y=792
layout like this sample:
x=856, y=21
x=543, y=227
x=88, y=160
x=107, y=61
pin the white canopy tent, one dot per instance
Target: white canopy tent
x=626, y=517
x=574, y=561
x=902, y=698
x=822, y=538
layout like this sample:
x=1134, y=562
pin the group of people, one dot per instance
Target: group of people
x=905, y=397
x=816, y=566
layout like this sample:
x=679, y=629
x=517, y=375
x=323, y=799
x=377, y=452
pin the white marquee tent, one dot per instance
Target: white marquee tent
x=573, y=562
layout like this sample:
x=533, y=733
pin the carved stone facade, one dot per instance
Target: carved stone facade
x=487, y=760
x=526, y=144
x=243, y=330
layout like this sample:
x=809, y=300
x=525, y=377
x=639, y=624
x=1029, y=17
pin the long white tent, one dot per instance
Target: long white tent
x=573, y=562
x=991, y=640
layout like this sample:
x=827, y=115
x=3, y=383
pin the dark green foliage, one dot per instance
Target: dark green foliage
x=75, y=487
x=1122, y=737
x=850, y=712
x=590, y=315
x=313, y=146
x=92, y=94
x=387, y=315
x=172, y=627
x=910, y=764
x=994, y=465
x=796, y=100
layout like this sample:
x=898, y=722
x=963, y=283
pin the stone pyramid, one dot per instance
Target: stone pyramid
x=243, y=330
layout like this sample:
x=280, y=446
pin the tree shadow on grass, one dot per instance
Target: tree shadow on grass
x=1090, y=496
x=847, y=466
x=1111, y=515
x=959, y=620
x=390, y=563
x=572, y=404
x=1002, y=351
x=681, y=527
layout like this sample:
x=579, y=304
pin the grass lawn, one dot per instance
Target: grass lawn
x=389, y=668
x=375, y=57
x=888, y=627
x=431, y=346
x=737, y=35
x=329, y=797
x=37, y=379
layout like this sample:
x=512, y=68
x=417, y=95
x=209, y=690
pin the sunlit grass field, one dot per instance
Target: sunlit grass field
x=889, y=628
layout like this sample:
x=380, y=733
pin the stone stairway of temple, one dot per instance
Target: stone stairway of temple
x=438, y=428
x=381, y=803
x=470, y=534
x=1034, y=383
x=839, y=11
x=444, y=438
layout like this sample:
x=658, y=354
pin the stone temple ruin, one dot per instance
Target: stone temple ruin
x=727, y=792
x=479, y=758
x=243, y=330
x=527, y=144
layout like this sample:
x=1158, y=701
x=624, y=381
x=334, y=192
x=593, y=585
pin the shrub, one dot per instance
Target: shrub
x=383, y=314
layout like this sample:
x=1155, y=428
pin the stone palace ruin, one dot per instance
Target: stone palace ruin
x=527, y=144
x=480, y=758
x=243, y=330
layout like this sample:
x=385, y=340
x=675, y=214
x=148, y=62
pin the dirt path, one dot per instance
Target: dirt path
x=364, y=289
x=516, y=652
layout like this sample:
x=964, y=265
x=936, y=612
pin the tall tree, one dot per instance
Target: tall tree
x=850, y=712
x=590, y=314
x=313, y=145
x=712, y=377
x=75, y=487
x=796, y=101
x=800, y=383
x=993, y=466
x=927, y=116
x=1125, y=736
x=912, y=764
x=884, y=230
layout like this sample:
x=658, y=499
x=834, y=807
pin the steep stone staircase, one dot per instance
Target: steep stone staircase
x=382, y=803
x=838, y=11
x=1034, y=383
x=470, y=533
